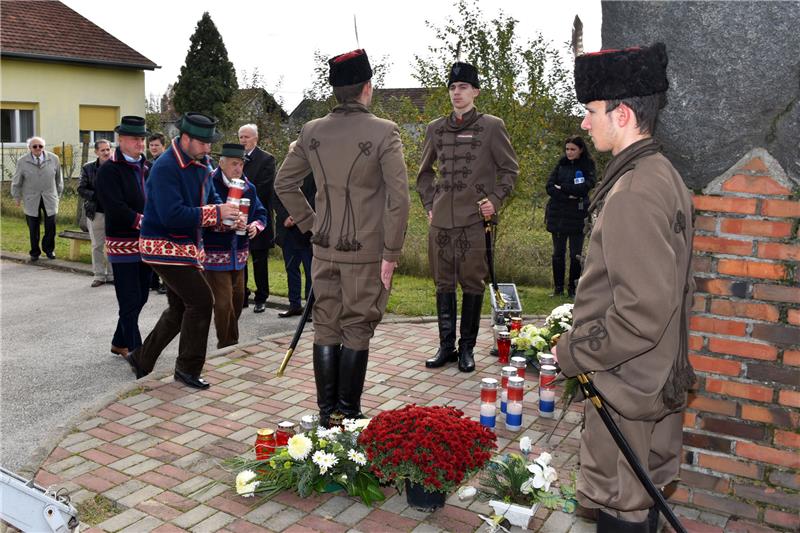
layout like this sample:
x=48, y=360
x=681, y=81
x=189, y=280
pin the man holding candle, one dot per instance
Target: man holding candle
x=181, y=201
x=631, y=309
x=477, y=166
x=226, y=250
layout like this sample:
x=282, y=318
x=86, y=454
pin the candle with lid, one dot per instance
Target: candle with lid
x=520, y=363
x=514, y=408
x=286, y=430
x=505, y=373
x=503, y=347
x=265, y=444
x=547, y=391
x=488, y=402
x=516, y=323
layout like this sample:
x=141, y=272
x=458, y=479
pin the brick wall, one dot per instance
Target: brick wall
x=741, y=441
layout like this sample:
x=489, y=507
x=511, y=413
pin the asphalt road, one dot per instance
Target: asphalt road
x=55, y=335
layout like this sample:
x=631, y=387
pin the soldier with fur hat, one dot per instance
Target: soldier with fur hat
x=358, y=227
x=633, y=298
x=476, y=166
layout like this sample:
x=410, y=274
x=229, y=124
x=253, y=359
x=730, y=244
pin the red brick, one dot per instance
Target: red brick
x=715, y=365
x=776, y=293
x=115, y=450
x=791, y=357
x=765, y=454
x=318, y=523
x=793, y=316
x=699, y=304
x=749, y=391
x=176, y=501
x=789, y=521
x=736, y=525
x=790, y=480
x=755, y=185
x=723, y=287
x=168, y=528
x=764, y=352
x=707, y=442
x=243, y=526
x=757, y=228
x=776, y=250
x=159, y=480
x=679, y=495
x=736, y=428
x=741, y=309
x=718, y=326
x=701, y=263
x=729, y=466
x=174, y=471
x=745, y=206
x=766, y=494
x=94, y=483
x=790, y=398
x=699, y=480
x=702, y=223
x=776, y=334
x=775, y=416
x=46, y=479
x=705, y=243
x=781, y=208
x=235, y=508
x=703, y=403
x=751, y=269
x=727, y=506
x=787, y=438
x=689, y=419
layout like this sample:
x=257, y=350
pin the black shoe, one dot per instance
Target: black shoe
x=51, y=255
x=352, y=372
x=34, y=258
x=470, y=322
x=131, y=359
x=446, y=315
x=326, y=377
x=162, y=289
x=259, y=307
x=611, y=524
x=190, y=380
x=97, y=283
x=292, y=311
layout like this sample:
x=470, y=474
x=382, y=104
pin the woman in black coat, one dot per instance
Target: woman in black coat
x=568, y=187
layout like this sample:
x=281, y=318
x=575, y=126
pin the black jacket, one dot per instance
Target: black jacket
x=86, y=189
x=120, y=189
x=567, y=208
x=283, y=234
x=259, y=167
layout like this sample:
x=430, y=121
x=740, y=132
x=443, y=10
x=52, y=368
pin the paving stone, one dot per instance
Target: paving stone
x=147, y=524
x=426, y=528
x=211, y=492
x=557, y=522
x=79, y=469
x=149, y=403
x=145, y=493
x=127, y=440
x=188, y=437
x=122, y=520
x=213, y=523
x=195, y=516
x=191, y=485
x=120, y=491
x=333, y=507
x=284, y=519
x=396, y=504
x=353, y=514
x=196, y=462
x=74, y=438
x=65, y=464
x=127, y=462
x=581, y=525
x=246, y=434
x=264, y=513
x=91, y=423
x=84, y=445
x=145, y=444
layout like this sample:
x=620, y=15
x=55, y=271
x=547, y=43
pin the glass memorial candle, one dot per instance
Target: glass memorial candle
x=547, y=391
x=488, y=402
x=514, y=408
x=505, y=373
x=520, y=363
x=503, y=347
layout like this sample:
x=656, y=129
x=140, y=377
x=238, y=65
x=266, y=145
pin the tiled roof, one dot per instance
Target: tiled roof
x=51, y=31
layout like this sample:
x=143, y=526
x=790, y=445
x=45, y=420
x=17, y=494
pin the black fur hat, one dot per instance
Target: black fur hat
x=349, y=69
x=463, y=72
x=619, y=74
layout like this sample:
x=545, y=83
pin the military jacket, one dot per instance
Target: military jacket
x=362, y=199
x=475, y=160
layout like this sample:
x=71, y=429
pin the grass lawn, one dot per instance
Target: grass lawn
x=411, y=295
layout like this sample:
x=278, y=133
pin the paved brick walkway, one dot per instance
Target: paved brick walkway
x=150, y=451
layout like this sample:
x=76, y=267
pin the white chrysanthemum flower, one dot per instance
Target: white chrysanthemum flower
x=357, y=457
x=525, y=444
x=323, y=433
x=299, y=446
x=245, y=483
x=324, y=460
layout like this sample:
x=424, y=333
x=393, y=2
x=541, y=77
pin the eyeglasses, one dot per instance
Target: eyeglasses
x=37, y=146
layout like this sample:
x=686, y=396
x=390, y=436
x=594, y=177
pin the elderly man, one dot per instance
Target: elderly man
x=226, y=251
x=181, y=201
x=358, y=228
x=94, y=212
x=37, y=184
x=120, y=190
x=259, y=167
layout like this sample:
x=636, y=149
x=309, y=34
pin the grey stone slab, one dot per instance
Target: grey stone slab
x=145, y=493
x=127, y=462
x=263, y=513
x=79, y=469
x=194, y=516
x=558, y=522
x=148, y=523
x=84, y=445
x=120, y=491
x=213, y=523
x=191, y=485
x=284, y=519
x=333, y=507
x=122, y=520
x=353, y=514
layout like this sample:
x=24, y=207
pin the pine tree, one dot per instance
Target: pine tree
x=207, y=81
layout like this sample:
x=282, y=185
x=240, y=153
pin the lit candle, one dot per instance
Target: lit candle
x=514, y=407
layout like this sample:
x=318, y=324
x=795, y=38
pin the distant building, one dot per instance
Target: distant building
x=307, y=107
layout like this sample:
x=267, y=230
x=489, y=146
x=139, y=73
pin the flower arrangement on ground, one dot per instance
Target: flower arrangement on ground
x=532, y=340
x=435, y=447
x=320, y=460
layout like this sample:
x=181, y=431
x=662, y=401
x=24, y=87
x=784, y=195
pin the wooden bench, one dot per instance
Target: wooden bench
x=77, y=238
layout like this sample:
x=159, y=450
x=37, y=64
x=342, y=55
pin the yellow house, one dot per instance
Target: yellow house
x=63, y=77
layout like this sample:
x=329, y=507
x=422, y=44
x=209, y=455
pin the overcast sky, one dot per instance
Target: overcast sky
x=279, y=38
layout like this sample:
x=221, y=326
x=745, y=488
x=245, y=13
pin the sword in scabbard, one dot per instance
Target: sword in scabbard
x=594, y=396
x=298, y=332
x=488, y=231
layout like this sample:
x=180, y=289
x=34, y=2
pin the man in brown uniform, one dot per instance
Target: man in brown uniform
x=476, y=164
x=632, y=301
x=358, y=228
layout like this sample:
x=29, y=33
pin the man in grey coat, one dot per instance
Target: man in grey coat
x=37, y=185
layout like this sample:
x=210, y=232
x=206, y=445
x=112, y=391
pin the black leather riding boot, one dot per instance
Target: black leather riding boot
x=470, y=322
x=446, y=314
x=611, y=524
x=326, y=375
x=352, y=371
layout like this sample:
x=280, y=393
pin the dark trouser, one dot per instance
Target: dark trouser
x=293, y=256
x=458, y=257
x=190, y=303
x=260, y=274
x=49, y=239
x=228, y=289
x=559, y=263
x=132, y=285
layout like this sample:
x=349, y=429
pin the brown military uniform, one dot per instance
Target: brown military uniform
x=475, y=160
x=362, y=206
x=630, y=327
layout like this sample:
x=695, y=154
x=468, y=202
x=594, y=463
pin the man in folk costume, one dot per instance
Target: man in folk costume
x=358, y=227
x=120, y=190
x=477, y=168
x=226, y=251
x=631, y=309
x=181, y=202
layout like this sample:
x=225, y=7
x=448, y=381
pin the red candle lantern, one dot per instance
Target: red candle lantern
x=265, y=444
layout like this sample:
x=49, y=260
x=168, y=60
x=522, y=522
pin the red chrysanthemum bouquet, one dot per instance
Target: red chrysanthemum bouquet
x=435, y=447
